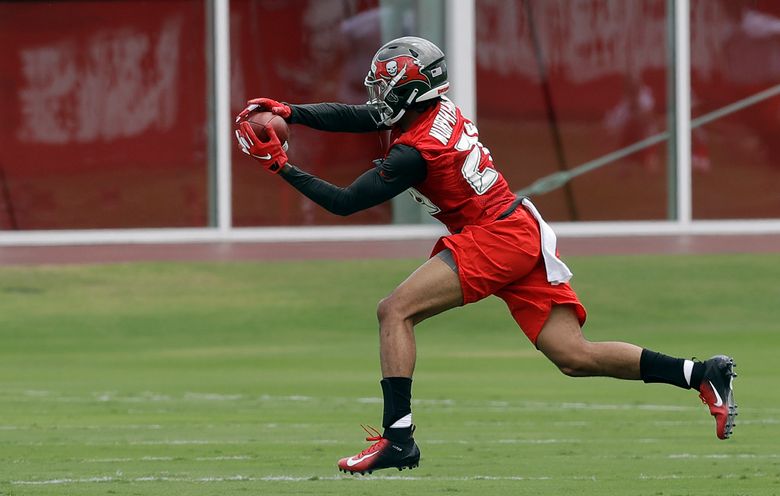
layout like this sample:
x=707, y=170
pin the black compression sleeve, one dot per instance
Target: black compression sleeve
x=337, y=117
x=404, y=167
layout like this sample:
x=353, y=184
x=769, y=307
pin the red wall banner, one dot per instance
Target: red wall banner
x=104, y=114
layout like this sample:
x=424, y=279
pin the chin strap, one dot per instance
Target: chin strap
x=397, y=117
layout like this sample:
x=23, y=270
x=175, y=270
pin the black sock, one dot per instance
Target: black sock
x=697, y=375
x=657, y=367
x=397, y=392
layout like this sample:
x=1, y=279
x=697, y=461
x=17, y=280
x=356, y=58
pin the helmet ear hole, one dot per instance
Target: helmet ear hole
x=410, y=99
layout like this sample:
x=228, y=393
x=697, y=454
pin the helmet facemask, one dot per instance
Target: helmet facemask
x=404, y=72
x=383, y=96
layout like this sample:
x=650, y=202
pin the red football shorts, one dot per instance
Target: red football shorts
x=504, y=259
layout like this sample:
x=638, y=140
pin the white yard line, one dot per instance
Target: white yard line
x=107, y=460
x=188, y=397
x=152, y=458
x=373, y=478
x=180, y=442
x=748, y=456
x=223, y=458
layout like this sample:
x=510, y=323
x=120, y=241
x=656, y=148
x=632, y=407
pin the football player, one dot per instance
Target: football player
x=499, y=244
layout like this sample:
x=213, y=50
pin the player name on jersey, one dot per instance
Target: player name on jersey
x=444, y=122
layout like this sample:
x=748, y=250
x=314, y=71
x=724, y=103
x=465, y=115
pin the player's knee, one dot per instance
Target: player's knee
x=389, y=309
x=574, y=363
x=571, y=369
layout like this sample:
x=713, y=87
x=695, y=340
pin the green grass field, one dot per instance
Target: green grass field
x=253, y=378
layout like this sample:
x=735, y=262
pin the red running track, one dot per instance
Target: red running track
x=345, y=250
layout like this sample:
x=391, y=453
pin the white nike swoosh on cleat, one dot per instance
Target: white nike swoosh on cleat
x=719, y=401
x=353, y=461
x=264, y=157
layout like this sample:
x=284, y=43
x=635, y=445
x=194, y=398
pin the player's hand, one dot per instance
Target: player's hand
x=269, y=153
x=267, y=105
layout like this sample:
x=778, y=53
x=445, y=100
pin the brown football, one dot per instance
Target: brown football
x=260, y=120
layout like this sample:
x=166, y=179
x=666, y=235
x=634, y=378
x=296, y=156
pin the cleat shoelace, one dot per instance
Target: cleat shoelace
x=374, y=436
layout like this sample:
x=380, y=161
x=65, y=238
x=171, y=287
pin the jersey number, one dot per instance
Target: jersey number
x=480, y=181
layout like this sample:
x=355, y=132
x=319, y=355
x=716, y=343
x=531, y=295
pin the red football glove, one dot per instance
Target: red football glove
x=269, y=153
x=265, y=104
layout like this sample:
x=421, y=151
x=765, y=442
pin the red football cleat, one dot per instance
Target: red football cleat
x=716, y=392
x=384, y=453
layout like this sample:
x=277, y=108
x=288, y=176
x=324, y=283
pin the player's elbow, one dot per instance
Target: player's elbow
x=343, y=209
x=345, y=204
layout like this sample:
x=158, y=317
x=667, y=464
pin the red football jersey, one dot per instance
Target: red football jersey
x=462, y=186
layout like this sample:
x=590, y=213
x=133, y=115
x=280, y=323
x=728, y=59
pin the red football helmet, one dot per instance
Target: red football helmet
x=403, y=72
